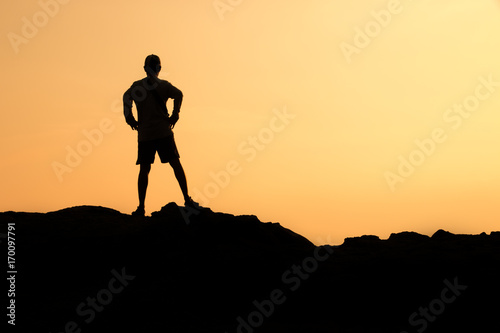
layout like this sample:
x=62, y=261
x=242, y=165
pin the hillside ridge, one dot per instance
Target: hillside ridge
x=95, y=269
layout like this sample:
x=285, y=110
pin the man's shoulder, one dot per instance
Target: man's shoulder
x=139, y=82
x=167, y=88
x=164, y=83
x=136, y=83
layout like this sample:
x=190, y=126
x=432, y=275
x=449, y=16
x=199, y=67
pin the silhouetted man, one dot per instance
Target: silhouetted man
x=154, y=126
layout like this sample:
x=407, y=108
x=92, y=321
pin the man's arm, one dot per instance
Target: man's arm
x=127, y=110
x=177, y=95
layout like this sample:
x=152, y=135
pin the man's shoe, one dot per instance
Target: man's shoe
x=191, y=203
x=139, y=212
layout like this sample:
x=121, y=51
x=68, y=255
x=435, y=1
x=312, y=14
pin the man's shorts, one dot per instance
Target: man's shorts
x=166, y=148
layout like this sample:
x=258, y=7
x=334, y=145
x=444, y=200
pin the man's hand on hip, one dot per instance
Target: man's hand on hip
x=173, y=118
x=133, y=123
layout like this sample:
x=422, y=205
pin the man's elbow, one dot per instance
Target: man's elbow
x=127, y=106
x=126, y=98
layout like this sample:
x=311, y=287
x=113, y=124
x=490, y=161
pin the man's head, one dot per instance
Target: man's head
x=152, y=65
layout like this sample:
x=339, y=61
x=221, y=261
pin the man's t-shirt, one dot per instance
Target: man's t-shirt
x=153, y=122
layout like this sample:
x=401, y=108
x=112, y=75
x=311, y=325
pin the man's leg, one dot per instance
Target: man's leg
x=142, y=184
x=181, y=177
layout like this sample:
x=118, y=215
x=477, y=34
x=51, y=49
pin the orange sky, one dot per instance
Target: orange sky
x=335, y=119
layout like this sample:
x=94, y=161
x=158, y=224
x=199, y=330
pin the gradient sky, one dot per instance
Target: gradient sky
x=322, y=171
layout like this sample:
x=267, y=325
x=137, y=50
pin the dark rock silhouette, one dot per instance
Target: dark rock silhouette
x=95, y=269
